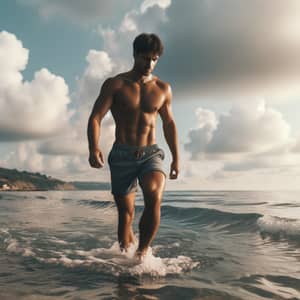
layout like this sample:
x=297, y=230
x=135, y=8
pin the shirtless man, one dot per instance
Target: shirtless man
x=135, y=98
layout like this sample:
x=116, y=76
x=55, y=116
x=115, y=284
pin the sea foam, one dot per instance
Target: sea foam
x=281, y=226
x=108, y=260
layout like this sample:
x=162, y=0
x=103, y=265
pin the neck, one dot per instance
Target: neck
x=140, y=78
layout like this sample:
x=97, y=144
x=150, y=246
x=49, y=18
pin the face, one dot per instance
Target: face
x=145, y=62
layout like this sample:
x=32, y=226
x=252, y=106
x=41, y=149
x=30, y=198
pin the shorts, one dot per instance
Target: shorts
x=129, y=163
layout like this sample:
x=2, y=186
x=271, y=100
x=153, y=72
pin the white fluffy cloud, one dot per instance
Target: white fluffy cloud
x=75, y=143
x=249, y=147
x=250, y=128
x=150, y=3
x=100, y=66
x=10, y=73
x=201, y=136
x=29, y=110
x=38, y=110
x=246, y=129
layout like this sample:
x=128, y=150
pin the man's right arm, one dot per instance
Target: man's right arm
x=101, y=107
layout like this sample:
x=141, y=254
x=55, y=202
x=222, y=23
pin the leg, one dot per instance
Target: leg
x=125, y=205
x=152, y=184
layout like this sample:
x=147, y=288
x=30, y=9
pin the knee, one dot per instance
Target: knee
x=153, y=193
x=153, y=187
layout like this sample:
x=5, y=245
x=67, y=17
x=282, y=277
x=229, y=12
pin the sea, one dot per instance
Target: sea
x=211, y=245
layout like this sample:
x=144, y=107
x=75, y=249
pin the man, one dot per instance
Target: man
x=135, y=98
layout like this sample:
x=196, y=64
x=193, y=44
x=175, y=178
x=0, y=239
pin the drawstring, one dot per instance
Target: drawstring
x=138, y=153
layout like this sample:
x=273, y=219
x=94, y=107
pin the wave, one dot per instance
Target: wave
x=96, y=203
x=279, y=227
x=206, y=216
x=273, y=226
x=286, y=204
x=227, y=222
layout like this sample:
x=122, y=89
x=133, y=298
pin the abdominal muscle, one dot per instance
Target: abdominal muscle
x=140, y=134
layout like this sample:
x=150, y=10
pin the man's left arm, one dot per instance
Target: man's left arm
x=170, y=132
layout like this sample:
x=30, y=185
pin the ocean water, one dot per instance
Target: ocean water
x=210, y=245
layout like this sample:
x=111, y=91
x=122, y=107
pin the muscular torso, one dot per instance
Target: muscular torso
x=135, y=107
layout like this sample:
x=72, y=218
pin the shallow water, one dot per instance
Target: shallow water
x=210, y=245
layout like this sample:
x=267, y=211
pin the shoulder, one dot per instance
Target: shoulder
x=121, y=78
x=163, y=85
x=112, y=83
x=166, y=89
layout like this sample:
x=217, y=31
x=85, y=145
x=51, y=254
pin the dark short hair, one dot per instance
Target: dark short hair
x=148, y=42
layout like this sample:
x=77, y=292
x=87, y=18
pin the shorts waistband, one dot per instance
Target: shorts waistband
x=131, y=148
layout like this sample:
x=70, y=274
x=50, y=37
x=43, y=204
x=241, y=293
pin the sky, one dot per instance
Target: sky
x=233, y=66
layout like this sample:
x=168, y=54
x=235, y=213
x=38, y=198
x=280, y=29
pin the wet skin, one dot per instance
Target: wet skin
x=135, y=99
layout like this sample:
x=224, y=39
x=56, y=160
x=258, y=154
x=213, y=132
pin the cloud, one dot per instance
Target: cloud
x=100, y=66
x=222, y=48
x=29, y=110
x=117, y=42
x=38, y=112
x=296, y=147
x=248, y=128
x=62, y=146
x=80, y=12
x=201, y=136
x=75, y=142
x=150, y=3
x=27, y=157
x=10, y=72
x=260, y=162
x=250, y=147
x=232, y=48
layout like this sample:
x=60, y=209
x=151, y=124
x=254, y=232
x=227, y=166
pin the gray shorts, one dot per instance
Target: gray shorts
x=129, y=163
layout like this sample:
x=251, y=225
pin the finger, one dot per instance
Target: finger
x=101, y=160
x=94, y=163
x=100, y=164
x=97, y=162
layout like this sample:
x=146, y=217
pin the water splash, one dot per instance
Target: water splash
x=279, y=226
x=108, y=260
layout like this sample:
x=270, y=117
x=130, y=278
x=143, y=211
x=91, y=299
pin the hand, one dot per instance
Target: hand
x=96, y=159
x=174, y=170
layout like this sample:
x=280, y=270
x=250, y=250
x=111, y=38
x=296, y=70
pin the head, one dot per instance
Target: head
x=147, y=48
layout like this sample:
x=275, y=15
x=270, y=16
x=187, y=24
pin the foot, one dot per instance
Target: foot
x=140, y=255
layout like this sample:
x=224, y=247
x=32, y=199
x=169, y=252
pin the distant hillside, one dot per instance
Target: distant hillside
x=12, y=179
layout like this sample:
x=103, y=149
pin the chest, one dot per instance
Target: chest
x=146, y=98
